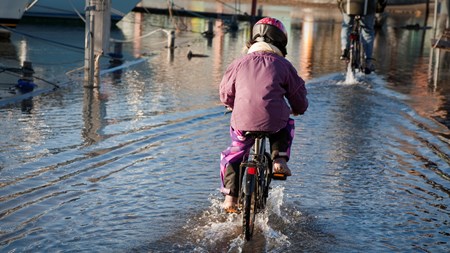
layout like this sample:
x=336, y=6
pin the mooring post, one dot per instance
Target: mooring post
x=98, y=25
x=234, y=24
x=210, y=31
x=89, y=45
x=260, y=11
x=27, y=71
x=252, y=17
x=117, y=56
x=25, y=83
x=253, y=21
x=171, y=40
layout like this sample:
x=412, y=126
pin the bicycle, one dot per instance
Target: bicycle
x=254, y=183
x=356, y=51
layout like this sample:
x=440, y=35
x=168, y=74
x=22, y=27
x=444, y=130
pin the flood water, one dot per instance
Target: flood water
x=134, y=166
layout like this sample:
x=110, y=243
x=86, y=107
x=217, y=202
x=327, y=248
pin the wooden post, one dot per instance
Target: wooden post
x=25, y=83
x=171, y=40
x=27, y=71
x=89, y=45
x=98, y=25
x=254, y=7
x=427, y=10
x=253, y=18
x=210, y=31
x=254, y=3
x=116, y=56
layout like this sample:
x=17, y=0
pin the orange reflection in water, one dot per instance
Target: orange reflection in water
x=306, y=48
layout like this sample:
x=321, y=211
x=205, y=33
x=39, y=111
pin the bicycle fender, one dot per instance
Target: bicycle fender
x=249, y=184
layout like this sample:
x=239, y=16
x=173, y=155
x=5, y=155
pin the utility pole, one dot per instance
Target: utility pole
x=253, y=16
x=254, y=3
x=98, y=26
x=89, y=45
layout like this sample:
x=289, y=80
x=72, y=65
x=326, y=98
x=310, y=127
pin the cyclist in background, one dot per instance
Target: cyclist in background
x=262, y=89
x=368, y=31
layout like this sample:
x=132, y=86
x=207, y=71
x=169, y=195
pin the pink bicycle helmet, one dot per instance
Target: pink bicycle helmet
x=272, y=30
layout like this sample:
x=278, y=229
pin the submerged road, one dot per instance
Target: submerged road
x=133, y=166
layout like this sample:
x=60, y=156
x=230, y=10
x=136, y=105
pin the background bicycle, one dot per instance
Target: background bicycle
x=358, y=33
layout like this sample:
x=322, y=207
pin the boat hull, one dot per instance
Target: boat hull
x=11, y=12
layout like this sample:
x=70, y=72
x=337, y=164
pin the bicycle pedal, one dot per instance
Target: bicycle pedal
x=279, y=176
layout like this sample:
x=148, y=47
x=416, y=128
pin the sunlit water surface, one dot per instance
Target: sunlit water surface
x=133, y=166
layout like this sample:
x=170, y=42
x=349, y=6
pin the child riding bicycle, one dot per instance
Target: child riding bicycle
x=262, y=89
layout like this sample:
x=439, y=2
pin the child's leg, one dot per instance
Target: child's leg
x=230, y=160
x=280, y=142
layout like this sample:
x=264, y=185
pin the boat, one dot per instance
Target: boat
x=11, y=11
x=74, y=9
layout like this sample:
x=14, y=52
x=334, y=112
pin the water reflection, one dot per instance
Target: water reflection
x=306, y=48
x=8, y=66
x=7, y=49
x=403, y=56
x=218, y=47
x=94, y=111
x=313, y=48
x=136, y=160
x=27, y=105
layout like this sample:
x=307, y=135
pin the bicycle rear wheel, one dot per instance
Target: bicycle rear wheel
x=249, y=205
x=355, y=53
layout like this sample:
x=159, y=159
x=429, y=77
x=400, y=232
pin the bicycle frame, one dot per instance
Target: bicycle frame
x=254, y=165
x=254, y=183
x=356, y=53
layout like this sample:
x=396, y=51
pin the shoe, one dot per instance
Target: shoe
x=369, y=67
x=344, y=55
x=230, y=204
x=280, y=167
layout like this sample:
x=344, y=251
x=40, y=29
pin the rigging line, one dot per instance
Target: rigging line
x=47, y=40
x=437, y=41
x=36, y=37
x=77, y=12
x=30, y=5
x=14, y=72
x=42, y=79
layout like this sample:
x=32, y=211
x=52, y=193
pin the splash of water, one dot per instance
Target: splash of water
x=350, y=77
x=214, y=230
x=275, y=239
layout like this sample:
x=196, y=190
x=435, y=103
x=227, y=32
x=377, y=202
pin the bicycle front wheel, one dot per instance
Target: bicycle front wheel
x=249, y=207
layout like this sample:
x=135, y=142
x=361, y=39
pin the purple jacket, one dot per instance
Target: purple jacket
x=255, y=87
